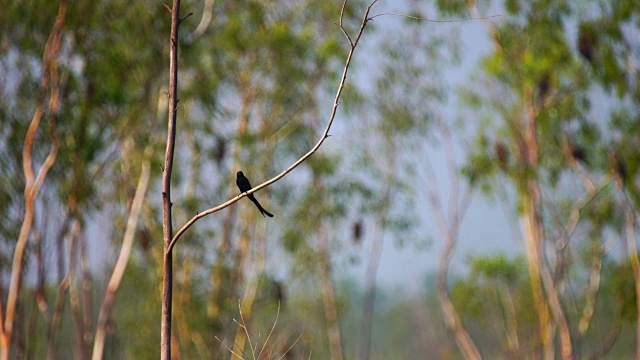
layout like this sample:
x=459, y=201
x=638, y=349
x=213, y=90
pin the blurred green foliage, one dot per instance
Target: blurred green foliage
x=256, y=84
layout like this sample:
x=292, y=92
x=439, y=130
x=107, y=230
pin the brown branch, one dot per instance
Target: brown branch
x=33, y=184
x=325, y=135
x=167, y=226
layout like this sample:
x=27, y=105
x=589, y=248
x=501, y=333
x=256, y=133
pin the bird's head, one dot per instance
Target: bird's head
x=239, y=174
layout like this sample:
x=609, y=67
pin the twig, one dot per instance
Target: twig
x=226, y=347
x=574, y=218
x=270, y=332
x=244, y=327
x=434, y=20
x=292, y=345
x=344, y=5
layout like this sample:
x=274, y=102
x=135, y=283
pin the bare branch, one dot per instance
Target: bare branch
x=183, y=19
x=434, y=20
x=292, y=345
x=226, y=347
x=205, y=21
x=449, y=230
x=270, y=332
x=574, y=217
x=336, y=102
x=344, y=5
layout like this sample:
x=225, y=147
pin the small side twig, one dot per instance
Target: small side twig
x=244, y=327
x=230, y=350
x=290, y=347
x=270, y=332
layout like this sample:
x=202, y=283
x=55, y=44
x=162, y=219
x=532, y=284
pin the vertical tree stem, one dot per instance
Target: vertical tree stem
x=167, y=276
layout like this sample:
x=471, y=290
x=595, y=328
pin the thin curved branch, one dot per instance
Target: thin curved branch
x=574, y=217
x=33, y=184
x=325, y=135
x=205, y=21
x=344, y=5
x=434, y=20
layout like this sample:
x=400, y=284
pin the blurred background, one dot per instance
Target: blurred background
x=476, y=198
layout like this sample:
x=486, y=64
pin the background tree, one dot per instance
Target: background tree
x=545, y=87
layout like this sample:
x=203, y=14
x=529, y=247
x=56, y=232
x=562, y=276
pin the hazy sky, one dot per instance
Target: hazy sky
x=485, y=229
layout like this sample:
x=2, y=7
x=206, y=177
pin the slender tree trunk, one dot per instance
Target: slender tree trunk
x=591, y=296
x=533, y=263
x=511, y=322
x=167, y=226
x=635, y=266
x=329, y=301
x=534, y=238
x=74, y=293
x=56, y=317
x=121, y=263
x=368, y=305
x=34, y=183
x=464, y=341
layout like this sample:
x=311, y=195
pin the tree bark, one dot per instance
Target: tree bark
x=167, y=226
x=534, y=239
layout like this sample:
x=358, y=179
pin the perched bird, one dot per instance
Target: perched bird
x=244, y=185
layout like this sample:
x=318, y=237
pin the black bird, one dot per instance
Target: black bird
x=244, y=185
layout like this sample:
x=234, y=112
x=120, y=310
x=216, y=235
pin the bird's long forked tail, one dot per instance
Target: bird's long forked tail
x=262, y=210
